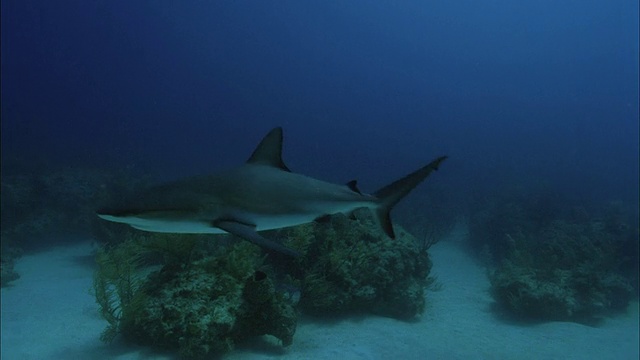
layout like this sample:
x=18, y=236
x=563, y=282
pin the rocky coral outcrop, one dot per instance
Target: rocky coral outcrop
x=199, y=308
x=350, y=266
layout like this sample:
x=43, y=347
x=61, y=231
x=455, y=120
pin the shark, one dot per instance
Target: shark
x=261, y=194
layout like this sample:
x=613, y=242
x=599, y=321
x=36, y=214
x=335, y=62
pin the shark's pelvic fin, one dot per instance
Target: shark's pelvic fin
x=394, y=192
x=269, y=151
x=248, y=232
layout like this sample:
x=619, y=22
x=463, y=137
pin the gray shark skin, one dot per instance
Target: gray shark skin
x=261, y=194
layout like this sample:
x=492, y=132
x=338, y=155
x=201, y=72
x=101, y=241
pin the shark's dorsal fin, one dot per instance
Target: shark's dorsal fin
x=269, y=151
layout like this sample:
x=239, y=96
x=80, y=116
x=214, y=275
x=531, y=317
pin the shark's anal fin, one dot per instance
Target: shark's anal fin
x=249, y=233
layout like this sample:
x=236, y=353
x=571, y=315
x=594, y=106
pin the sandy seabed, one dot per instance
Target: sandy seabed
x=49, y=314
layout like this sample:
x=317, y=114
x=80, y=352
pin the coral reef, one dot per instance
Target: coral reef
x=199, y=307
x=566, y=271
x=182, y=292
x=551, y=263
x=581, y=294
x=8, y=256
x=351, y=265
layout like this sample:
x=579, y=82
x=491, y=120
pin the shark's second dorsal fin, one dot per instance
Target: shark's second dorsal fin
x=353, y=185
x=269, y=151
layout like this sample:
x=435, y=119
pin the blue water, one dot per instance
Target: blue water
x=528, y=91
x=516, y=93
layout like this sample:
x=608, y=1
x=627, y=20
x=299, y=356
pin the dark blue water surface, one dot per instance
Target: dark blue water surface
x=515, y=92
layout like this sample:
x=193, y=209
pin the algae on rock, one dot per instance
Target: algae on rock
x=354, y=266
x=206, y=299
x=199, y=309
x=567, y=271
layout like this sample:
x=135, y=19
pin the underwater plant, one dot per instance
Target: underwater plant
x=434, y=221
x=117, y=286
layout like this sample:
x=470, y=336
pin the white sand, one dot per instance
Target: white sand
x=49, y=314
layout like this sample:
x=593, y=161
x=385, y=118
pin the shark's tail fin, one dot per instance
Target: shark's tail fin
x=394, y=192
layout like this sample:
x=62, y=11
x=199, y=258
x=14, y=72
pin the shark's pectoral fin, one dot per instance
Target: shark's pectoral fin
x=248, y=232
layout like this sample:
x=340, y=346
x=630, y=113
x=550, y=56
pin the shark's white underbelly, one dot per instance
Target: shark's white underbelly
x=201, y=227
x=167, y=226
x=197, y=226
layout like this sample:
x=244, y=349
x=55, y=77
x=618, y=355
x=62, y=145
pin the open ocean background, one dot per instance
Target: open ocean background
x=514, y=92
x=526, y=97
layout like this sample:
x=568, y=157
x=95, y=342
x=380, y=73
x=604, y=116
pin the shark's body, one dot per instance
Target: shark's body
x=260, y=195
